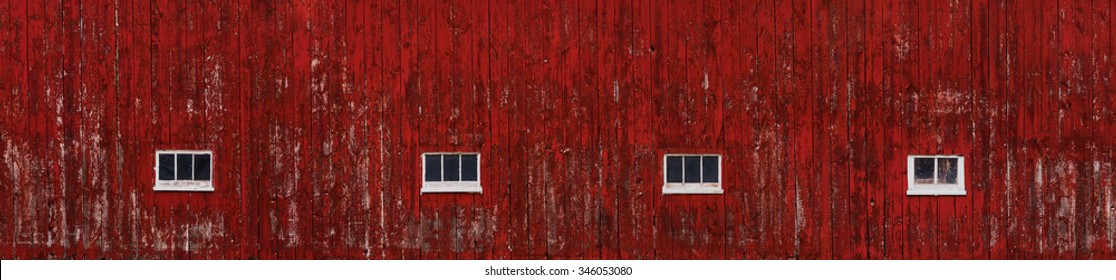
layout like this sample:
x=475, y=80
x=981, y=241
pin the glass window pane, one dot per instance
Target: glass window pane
x=469, y=168
x=433, y=168
x=201, y=167
x=185, y=167
x=947, y=170
x=924, y=170
x=166, y=166
x=692, y=168
x=674, y=169
x=452, y=167
x=709, y=169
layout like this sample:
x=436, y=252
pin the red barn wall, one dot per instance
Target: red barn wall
x=317, y=111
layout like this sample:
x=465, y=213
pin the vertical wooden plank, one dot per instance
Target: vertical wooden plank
x=558, y=92
x=693, y=112
x=121, y=218
x=662, y=78
x=739, y=56
x=856, y=48
x=224, y=81
x=1075, y=64
x=187, y=122
x=276, y=124
x=597, y=199
x=639, y=192
x=1045, y=138
x=434, y=224
x=30, y=229
x=436, y=220
x=476, y=99
x=951, y=95
x=711, y=84
x=898, y=78
x=833, y=149
x=391, y=17
x=369, y=68
x=522, y=229
x=462, y=64
x=923, y=225
x=247, y=78
x=98, y=94
x=1102, y=226
x=1001, y=41
x=438, y=132
x=174, y=119
x=759, y=101
x=14, y=140
x=143, y=153
x=319, y=27
x=777, y=182
x=979, y=225
x=538, y=36
x=299, y=205
x=962, y=221
x=1019, y=164
x=71, y=155
x=218, y=215
x=561, y=219
x=400, y=153
x=579, y=147
x=875, y=139
x=616, y=35
x=497, y=148
x=809, y=189
x=673, y=112
x=339, y=121
x=801, y=114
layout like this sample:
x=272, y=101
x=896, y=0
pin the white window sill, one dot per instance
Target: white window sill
x=935, y=190
x=184, y=186
x=451, y=187
x=692, y=188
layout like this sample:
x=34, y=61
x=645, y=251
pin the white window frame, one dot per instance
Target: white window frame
x=694, y=188
x=184, y=185
x=450, y=187
x=935, y=189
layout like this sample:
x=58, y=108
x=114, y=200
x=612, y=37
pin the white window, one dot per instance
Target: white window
x=935, y=175
x=451, y=173
x=691, y=174
x=184, y=171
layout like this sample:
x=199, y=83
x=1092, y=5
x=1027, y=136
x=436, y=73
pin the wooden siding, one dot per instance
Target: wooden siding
x=317, y=112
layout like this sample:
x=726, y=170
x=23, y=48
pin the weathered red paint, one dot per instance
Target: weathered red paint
x=317, y=111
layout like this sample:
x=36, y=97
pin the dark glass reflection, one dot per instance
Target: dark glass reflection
x=433, y=168
x=201, y=167
x=451, y=168
x=709, y=169
x=185, y=167
x=674, y=169
x=947, y=170
x=469, y=168
x=166, y=166
x=924, y=170
x=692, y=168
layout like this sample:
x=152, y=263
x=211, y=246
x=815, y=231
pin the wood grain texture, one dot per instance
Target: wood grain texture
x=317, y=113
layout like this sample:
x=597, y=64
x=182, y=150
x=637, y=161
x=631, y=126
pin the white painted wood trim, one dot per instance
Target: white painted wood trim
x=694, y=188
x=935, y=189
x=184, y=185
x=452, y=186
